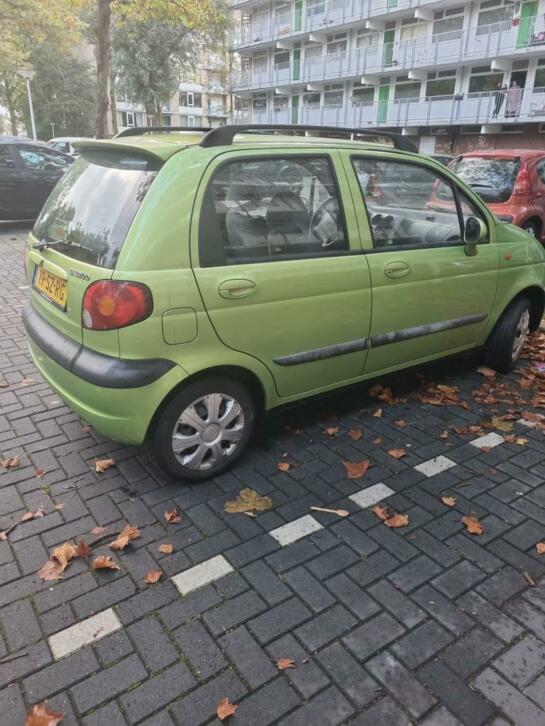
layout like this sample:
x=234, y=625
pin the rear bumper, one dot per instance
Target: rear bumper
x=83, y=379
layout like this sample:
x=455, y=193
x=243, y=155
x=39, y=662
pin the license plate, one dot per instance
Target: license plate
x=50, y=286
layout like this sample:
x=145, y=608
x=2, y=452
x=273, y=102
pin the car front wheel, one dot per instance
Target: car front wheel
x=204, y=428
x=507, y=340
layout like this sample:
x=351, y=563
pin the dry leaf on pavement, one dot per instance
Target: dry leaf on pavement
x=356, y=469
x=248, y=500
x=472, y=525
x=39, y=473
x=127, y=534
x=378, y=440
x=443, y=435
x=296, y=431
x=82, y=549
x=152, y=577
x=331, y=431
x=166, y=549
x=104, y=563
x=398, y=520
x=397, y=453
x=382, y=512
x=42, y=715
x=378, y=413
x=448, y=501
x=486, y=372
x=101, y=465
x=283, y=466
x=11, y=462
x=173, y=516
x=284, y=663
x=500, y=424
x=52, y=570
x=98, y=530
x=355, y=434
x=401, y=424
x=540, y=547
x=225, y=709
x=521, y=441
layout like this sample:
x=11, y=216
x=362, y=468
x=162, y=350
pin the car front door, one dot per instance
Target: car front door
x=429, y=296
x=280, y=266
x=538, y=190
x=41, y=169
x=10, y=203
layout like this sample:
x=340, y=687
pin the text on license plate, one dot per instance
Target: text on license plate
x=53, y=287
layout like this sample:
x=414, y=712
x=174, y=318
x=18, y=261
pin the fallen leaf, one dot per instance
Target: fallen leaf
x=87, y=429
x=383, y=513
x=449, y=501
x=398, y=520
x=356, y=469
x=3, y=536
x=401, y=424
x=444, y=435
x=295, y=430
x=27, y=516
x=248, y=500
x=39, y=474
x=500, y=424
x=540, y=547
x=225, y=709
x=378, y=413
x=166, y=549
x=82, y=549
x=486, y=449
x=152, y=577
x=64, y=553
x=331, y=431
x=486, y=372
x=39, y=513
x=378, y=440
x=42, y=715
x=60, y=505
x=283, y=466
x=355, y=434
x=397, y=453
x=52, y=570
x=521, y=441
x=173, y=516
x=98, y=530
x=284, y=663
x=472, y=525
x=127, y=534
x=11, y=462
x=104, y=563
x=101, y=465
x=27, y=381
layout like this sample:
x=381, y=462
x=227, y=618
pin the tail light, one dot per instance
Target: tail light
x=111, y=304
x=522, y=184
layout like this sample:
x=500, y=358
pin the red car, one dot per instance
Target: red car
x=511, y=182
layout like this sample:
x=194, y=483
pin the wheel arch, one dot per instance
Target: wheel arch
x=238, y=373
x=537, y=221
x=536, y=295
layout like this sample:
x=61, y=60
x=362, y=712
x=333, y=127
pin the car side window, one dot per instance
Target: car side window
x=6, y=159
x=34, y=158
x=258, y=210
x=540, y=168
x=408, y=205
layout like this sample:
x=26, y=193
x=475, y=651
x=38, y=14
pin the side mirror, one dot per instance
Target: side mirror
x=475, y=232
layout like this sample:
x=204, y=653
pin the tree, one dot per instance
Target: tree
x=193, y=15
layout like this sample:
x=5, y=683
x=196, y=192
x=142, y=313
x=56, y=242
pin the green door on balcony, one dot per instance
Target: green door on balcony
x=295, y=109
x=383, y=96
x=296, y=64
x=388, y=51
x=297, y=15
x=526, y=25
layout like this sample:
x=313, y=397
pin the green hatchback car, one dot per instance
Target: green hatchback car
x=183, y=282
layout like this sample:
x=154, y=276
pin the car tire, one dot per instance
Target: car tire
x=209, y=422
x=532, y=228
x=506, y=341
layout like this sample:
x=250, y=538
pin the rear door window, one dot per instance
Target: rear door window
x=491, y=178
x=88, y=214
x=42, y=159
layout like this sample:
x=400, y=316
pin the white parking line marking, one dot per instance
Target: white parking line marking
x=490, y=440
x=435, y=466
x=291, y=532
x=371, y=495
x=87, y=631
x=202, y=574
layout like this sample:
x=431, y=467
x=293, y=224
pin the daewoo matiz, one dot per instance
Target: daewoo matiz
x=184, y=282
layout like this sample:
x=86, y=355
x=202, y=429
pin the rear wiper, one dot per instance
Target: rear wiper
x=42, y=245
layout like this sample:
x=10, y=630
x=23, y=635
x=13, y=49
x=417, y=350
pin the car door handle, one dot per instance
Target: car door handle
x=397, y=269
x=232, y=289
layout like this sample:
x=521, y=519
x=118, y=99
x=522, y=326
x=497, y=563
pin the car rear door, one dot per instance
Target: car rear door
x=429, y=296
x=278, y=261
x=10, y=199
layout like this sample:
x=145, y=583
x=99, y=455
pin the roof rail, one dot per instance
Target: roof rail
x=140, y=130
x=224, y=135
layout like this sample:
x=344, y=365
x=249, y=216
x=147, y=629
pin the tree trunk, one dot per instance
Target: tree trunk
x=103, y=126
x=113, y=104
x=10, y=103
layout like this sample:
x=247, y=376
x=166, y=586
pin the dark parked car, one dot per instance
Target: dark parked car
x=28, y=173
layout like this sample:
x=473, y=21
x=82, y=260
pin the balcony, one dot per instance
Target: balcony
x=484, y=42
x=462, y=109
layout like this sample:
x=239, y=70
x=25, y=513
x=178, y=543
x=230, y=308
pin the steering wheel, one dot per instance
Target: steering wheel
x=324, y=222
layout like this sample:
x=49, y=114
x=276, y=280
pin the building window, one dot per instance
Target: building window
x=191, y=121
x=483, y=80
x=406, y=90
x=334, y=95
x=260, y=63
x=539, y=80
x=189, y=99
x=311, y=99
x=495, y=16
x=280, y=103
x=127, y=118
x=315, y=7
x=448, y=24
x=362, y=95
x=313, y=53
x=366, y=38
x=281, y=59
x=259, y=102
x=412, y=30
x=441, y=83
x=511, y=129
x=336, y=43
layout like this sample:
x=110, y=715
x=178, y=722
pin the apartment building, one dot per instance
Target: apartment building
x=454, y=76
x=202, y=99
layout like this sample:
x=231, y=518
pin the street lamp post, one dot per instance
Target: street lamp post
x=28, y=75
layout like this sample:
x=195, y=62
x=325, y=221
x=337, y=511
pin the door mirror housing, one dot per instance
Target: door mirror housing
x=474, y=233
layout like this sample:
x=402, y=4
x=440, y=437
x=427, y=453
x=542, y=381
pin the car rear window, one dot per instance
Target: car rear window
x=88, y=214
x=491, y=178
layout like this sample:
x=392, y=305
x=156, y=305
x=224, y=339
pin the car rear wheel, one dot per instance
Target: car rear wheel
x=532, y=228
x=204, y=428
x=507, y=340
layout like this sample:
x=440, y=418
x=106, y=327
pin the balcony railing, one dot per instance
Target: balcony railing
x=437, y=50
x=517, y=106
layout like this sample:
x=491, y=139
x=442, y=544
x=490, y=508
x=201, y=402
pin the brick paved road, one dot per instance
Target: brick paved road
x=425, y=624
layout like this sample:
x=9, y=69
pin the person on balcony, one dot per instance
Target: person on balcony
x=499, y=95
x=514, y=101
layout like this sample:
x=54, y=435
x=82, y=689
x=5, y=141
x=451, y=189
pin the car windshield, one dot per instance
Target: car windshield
x=491, y=178
x=88, y=214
